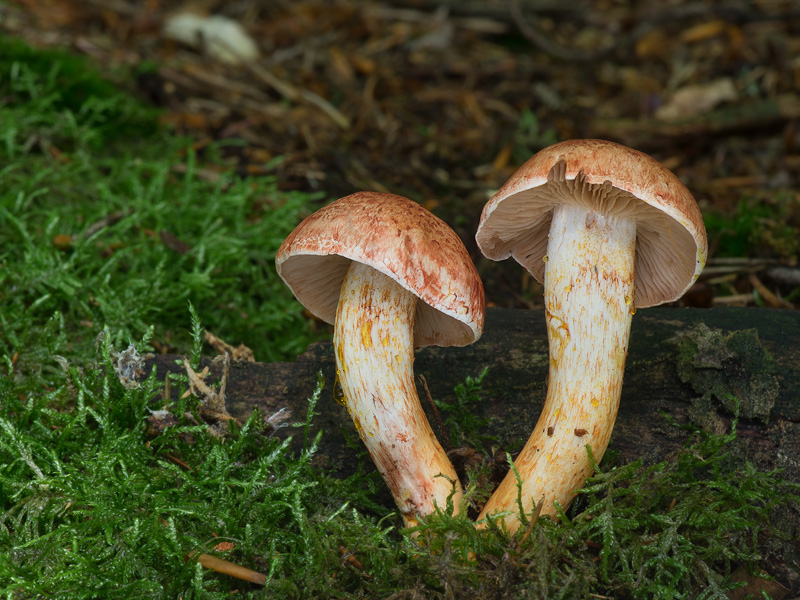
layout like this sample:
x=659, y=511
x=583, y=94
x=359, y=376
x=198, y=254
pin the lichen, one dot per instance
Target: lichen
x=733, y=371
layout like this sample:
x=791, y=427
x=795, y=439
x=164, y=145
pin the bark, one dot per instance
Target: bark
x=689, y=364
x=662, y=375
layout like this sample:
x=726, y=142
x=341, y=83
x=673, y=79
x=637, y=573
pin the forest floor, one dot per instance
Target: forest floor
x=117, y=218
x=441, y=101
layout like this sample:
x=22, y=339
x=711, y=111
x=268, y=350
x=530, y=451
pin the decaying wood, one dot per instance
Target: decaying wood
x=514, y=347
x=753, y=354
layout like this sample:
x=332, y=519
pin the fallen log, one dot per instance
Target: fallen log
x=696, y=366
x=750, y=353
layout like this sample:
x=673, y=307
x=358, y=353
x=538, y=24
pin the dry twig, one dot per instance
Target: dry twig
x=212, y=401
x=440, y=424
x=240, y=353
x=226, y=567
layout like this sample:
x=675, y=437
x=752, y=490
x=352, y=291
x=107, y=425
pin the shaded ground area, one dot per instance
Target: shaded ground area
x=442, y=101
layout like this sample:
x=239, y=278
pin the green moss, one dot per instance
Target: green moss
x=733, y=370
x=98, y=502
x=64, y=101
x=464, y=427
x=758, y=227
x=106, y=218
x=95, y=503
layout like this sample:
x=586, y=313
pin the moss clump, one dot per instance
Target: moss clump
x=95, y=503
x=729, y=369
x=107, y=218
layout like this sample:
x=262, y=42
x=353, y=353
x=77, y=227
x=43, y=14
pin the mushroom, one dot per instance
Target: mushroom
x=390, y=276
x=607, y=229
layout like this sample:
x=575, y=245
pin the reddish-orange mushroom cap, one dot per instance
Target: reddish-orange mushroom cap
x=671, y=244
x=400, y=239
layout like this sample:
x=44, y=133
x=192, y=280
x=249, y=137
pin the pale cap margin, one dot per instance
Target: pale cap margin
x=403, y=241
x=671, y=246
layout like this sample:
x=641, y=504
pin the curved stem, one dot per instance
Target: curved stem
x=374, y=342
x=589, y=304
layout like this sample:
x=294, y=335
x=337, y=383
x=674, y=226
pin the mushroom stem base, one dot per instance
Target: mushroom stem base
x=374, y=343
x=589, y=289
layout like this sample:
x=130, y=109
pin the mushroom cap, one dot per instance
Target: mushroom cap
x=671, y=244
x=403, y=241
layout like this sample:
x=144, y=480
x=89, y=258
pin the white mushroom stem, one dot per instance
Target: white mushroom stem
x=374, y=342
x=589, y=287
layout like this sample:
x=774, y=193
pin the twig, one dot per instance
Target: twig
x=220, y=565
x=766, y=294
x=534, y=518
x=351, y=560
x=539, y=39
x=226, y=567
x=710, y=272
x=742, y=260
x=739, y=266
x=436, y=415
x=497, y=11
x=741, y=116
x=223, y=83
x=410, y=15
x=734, y=299
x=239, y=354
x=250, y=98
x=181, y=463
x=290, y=92
x=200, y=173
x=106, y=221
x=784, y=275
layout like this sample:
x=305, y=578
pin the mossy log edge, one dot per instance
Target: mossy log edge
x=662, y=379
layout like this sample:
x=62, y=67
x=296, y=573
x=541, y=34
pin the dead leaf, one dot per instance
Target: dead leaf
x=439, y=37
x=224, y=547
x=341, y=65
x=364, y=66
x=62, y=241
x=653, y=44
x=756, y=585
x=703, y=31
x=500, y=161
x=172, y=242
x=223, y=39
x=697, y=99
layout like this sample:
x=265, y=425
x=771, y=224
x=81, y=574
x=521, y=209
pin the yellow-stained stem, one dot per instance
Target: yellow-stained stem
x=589, y=304
x=374, y=342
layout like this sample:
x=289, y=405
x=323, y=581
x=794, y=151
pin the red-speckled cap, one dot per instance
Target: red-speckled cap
x=671, y=245
x=403, y=241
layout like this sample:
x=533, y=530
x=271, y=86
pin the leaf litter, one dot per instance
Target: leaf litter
x=441, y=102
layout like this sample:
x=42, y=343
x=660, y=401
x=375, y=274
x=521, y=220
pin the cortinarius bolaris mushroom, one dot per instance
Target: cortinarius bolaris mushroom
x=607, y=229
x=390, y=276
